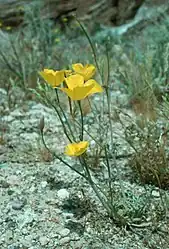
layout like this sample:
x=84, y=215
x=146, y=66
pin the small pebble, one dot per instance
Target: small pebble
x=64, y=240
x=13, y=180
x=43, y=240
x=68, y=215
x=27, y=241
x=9, y=235
x=18, y=205
x=64, y=232
x=13, y=247
x=155, y=193
x=58, y=211
x=44, y=184
x=4, y=184
x=63, y=194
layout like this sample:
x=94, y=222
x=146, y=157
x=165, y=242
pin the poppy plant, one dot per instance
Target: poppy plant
x=53, y=78
x=78, y=89
x=86, y=71
x=76, y=149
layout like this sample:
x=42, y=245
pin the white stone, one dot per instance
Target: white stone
x=64, y=232
x=3, y=91
x=27, y=241
x=16, y=113
x=64, y=240
x=67, y=215
x=155, y=193
x=44, y=184
x=43, y=240
x=63, y=194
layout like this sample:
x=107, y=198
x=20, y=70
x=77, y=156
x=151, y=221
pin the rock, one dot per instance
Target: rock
x=3, y=91
x=18, y=205
x=105, y=12
x=28, y=217
x=44, y=184
x=53, y=235
x=75, y=227
x=64, y=232
x=27, y=241
x=67, y=216
x=58, y=211
x=64, y=240
x=13, y=246
x=4, y=184
x=63, y=194
x=17, y=114
x=43, y=240
x=155, y=193
x=13, y=180
x=9, y=235
x=79, y=244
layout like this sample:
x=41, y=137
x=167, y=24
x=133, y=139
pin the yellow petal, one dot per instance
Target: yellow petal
x=78, y=93
x=96, y=89
x=78, y=67
x=86, y=71
x=76, y=149
x=68, y=72
x=53, y=78
x=90, y=71
x=74, y=81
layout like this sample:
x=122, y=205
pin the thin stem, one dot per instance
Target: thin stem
x=95, y=188
x=110, y=178
x=20, y=64
x=82, y=123
x=91, y=45
x=109, y=114
x=61, y=120
x=97, y=142
x=70, y=108
x=108, y=95
x=67, y=122
x=10, y=66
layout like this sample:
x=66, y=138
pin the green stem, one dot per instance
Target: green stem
x=70, y=108
x=110, y=178
x=109, y=115
x=67, y=122
x=82, y=123
x=113, y=149
x=92, y=47
x=60, y=118
x=94, y=186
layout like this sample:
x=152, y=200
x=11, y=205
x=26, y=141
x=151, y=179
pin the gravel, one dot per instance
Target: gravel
x=42, y=205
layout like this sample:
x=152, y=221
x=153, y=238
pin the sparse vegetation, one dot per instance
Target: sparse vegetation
x=101, y=129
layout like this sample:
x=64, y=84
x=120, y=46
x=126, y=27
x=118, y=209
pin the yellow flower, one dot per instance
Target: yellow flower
x=74, y=80
x=86, y=71
x=56, y=30
x=53, y=78
x=21, y=8
x=76, y=149
x=8, y=28
x=78, y=93
x=65, y=19
x=96, y=89
x=57, y=40
x=77, y=89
